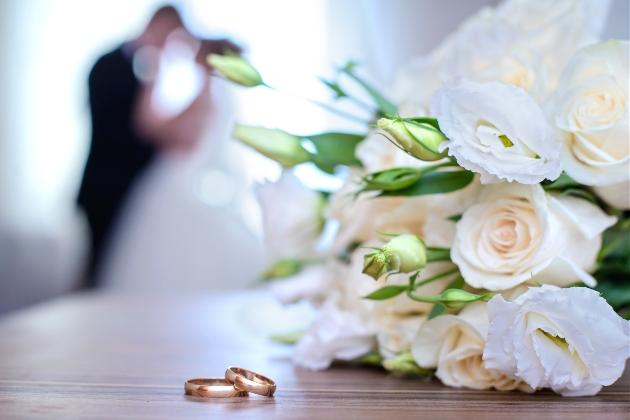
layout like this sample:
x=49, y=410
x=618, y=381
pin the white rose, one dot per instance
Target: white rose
x=616, y=195
x=522, y=42
x=517, y=231
x=570, y=340
x=589, y=111
x=496, y=130
x=335, y=335
x=292, y=219
x=427, y=216
x=454, y=345
x=395, y=333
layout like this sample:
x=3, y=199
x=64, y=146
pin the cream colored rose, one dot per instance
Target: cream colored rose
x=617, y=195
x=516, y=231
x=589, y=112
x=427, y=216
x=454, y=345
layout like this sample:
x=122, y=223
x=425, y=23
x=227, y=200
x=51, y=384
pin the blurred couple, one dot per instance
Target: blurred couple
x=159, y=123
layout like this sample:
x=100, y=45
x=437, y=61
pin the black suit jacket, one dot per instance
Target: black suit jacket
x=117, y=153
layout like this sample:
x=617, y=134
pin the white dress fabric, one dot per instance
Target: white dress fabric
x=179, y=233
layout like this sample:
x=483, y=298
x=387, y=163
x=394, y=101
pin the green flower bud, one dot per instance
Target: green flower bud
x=282, y=269
x=392, y=179
x=418, y=139
x=375, y=265
x=403, y=364
x=404, y=253
x=236, y=69
x=456, y=298
x=407, y=253
x=278, y=145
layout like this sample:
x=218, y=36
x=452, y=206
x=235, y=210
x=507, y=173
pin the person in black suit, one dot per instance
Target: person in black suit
x=125, y=136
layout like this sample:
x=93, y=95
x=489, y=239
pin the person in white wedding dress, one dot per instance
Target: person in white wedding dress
x=182, y=224
x=183, y=228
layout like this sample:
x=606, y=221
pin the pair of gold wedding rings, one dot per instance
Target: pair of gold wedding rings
x=238, y=382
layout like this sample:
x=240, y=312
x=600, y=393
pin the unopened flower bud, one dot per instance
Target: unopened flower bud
x=456, y=298
x=282, y=269
x=236, y=69
x=407, y=253
x=375, y=265
x=404, y=253
x=392, y=179
x=278, y=145
x=418, y=139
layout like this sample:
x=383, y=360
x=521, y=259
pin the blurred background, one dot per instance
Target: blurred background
x=190, y=220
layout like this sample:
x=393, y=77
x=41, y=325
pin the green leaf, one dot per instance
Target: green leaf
x=385, y=107
x=579, y=193
x=386, y=292
x=335, y=149
x=616, y=244
x=616, y=294
x=564, y=181
x=437, y=310
x=455, y=218
x=438, y=254
x=334, y=86
x=404, y=364
x=288, y=338
x=436, y=182
x=373, y=359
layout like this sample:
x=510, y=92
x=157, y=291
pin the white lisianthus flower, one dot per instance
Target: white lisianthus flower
x=345, y=326
x=335, y=335
x=292, y=217
x=312, y=284
x=497, y=131
x=589, y=111
x=516, y=231
x=520, y=42
x=570, y=340
x=454, y=345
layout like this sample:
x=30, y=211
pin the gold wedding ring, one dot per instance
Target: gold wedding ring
x=250, y=381
x=212, y=388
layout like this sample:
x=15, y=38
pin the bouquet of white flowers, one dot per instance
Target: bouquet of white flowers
x=483, y=235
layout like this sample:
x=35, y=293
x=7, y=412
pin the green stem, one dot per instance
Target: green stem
x=436, y=277
x=321, y=105
x=362, y=104
x=429, y=299
x=438, y=254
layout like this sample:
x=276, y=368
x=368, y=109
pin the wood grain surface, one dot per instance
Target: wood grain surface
x=100, y=356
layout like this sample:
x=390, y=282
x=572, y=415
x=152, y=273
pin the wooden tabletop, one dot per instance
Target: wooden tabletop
x=101, y=356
